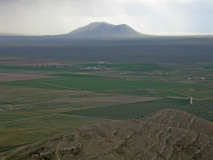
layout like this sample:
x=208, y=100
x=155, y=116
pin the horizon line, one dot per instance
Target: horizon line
x=147, y=33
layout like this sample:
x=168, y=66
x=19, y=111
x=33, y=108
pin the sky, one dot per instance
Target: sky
x=51, y=17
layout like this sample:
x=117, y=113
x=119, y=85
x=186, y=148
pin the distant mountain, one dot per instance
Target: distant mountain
x=165, y=135
x=102, y=30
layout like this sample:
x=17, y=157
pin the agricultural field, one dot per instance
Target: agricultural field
x=202, y=109
x=42, y=98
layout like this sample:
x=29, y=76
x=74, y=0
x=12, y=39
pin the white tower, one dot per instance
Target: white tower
x=190, y=100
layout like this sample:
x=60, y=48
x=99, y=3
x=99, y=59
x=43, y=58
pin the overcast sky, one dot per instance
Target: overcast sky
x=48, y=17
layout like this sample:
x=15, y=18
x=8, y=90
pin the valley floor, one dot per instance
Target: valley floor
x=42, y=98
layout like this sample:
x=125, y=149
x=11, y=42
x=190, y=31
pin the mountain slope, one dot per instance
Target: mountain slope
x=168, y=134
x=102, y=30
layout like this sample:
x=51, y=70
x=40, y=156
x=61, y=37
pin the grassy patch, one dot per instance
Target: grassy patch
x=128, y=111
x=208, y=67
x=146, y=87
x=19, y=133
x=92, y=84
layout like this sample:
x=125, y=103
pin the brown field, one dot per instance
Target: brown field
x=13, y=77
x=115, y=98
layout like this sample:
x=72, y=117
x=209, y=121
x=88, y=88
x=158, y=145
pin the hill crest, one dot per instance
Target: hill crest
x=103, y=30
x=167, y=134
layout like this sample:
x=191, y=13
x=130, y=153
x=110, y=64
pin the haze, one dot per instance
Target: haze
x=50, y=17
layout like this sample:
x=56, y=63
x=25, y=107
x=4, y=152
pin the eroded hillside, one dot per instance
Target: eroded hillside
x=167, y=134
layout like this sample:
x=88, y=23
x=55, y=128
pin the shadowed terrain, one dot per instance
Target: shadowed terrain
x=167, y=134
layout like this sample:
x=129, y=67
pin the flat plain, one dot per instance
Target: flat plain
x=54, y=96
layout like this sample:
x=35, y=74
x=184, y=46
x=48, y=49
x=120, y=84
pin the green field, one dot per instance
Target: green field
x=91, y=84
x=147, y=86
x=137, y=110
x=25, y=131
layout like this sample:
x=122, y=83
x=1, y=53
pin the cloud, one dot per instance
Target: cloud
x=52, y=16
x=149, y=16
x=160, y=1
x=171, y=16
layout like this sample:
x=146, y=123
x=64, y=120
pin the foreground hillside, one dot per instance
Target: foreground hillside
x=167, y=134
